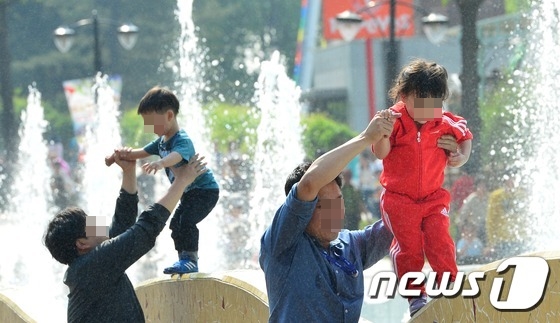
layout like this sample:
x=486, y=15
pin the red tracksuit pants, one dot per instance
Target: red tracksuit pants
x=419, y=228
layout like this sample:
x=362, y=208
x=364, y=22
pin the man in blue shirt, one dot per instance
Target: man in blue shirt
x=313, y=270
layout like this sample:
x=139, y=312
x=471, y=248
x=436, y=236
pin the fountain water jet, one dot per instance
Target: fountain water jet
x=28, y=274
x=278, y=150
x=536, y=122
x=100, y=183
x=187, y=86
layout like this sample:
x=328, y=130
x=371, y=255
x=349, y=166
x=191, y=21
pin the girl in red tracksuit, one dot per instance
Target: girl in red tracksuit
x=424, y=140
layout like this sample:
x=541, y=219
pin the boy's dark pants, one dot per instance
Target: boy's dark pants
x=195, y=205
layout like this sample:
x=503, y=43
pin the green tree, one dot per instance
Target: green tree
x=8, y=122
x=132, y=130
x=322, y=134
x=36, y=59
x=496, y=135
x=470, y=79
x=224, y=37
x=238, y=32
x=233, y=128
x=512, y=6
x=6, y=89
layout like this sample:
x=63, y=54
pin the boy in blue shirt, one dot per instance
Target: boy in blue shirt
x=159, y=108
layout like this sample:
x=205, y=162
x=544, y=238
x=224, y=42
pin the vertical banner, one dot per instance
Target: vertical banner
x=299, y=44
x=80, y=96
x=376, y=19
x=308, y=33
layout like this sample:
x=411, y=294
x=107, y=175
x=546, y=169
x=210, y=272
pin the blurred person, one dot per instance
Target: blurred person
x=353, y=203
x=236, y=231
x=469, y=247
x=507, y=224
x=98, y=256
x=62, y=186
x=474, y=209
x=367, y=182
x=62, y=183
x=235, y=173
x=146, y=185
x=378, y=189
x=56, y=155
x=461, y=188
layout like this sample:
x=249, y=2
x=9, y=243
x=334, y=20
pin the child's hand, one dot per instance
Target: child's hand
x=152, y=167
x=125, y=164
x=122, y=152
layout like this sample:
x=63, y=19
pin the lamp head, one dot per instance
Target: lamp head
x=349, y=24
x=435, y=27
x=63, y=38
x=127, y=35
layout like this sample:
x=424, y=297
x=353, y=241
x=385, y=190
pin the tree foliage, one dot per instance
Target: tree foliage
x=37, y=60
x=233, y=128
x=132, y=130
x=241, y=33
x=322, y=134
x=231, y=33
x=512, y=6
x=505, y=137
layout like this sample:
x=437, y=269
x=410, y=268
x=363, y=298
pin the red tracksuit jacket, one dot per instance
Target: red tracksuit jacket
x=415, y=166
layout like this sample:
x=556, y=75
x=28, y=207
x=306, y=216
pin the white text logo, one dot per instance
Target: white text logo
x=527, y=285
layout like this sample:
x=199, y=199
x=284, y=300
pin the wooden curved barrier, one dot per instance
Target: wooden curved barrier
x=480, y=309
x=10, y=312
x=233, y=296
x=240, y=296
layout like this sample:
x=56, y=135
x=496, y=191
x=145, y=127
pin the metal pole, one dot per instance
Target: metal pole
x=96, y=50
x=392, y=53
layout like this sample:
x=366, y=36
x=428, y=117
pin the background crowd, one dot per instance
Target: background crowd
x=488, y=217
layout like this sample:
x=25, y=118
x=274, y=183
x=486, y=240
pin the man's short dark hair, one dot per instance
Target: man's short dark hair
x=62, y=232
x=298, y=173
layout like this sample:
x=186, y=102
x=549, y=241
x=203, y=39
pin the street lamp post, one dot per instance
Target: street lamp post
x=392, y=52
x=434, y=26
x=470, y=78
x=127, y=35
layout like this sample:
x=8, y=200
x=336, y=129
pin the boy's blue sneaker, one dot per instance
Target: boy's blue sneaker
x=416, y=303
x=183, y=266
